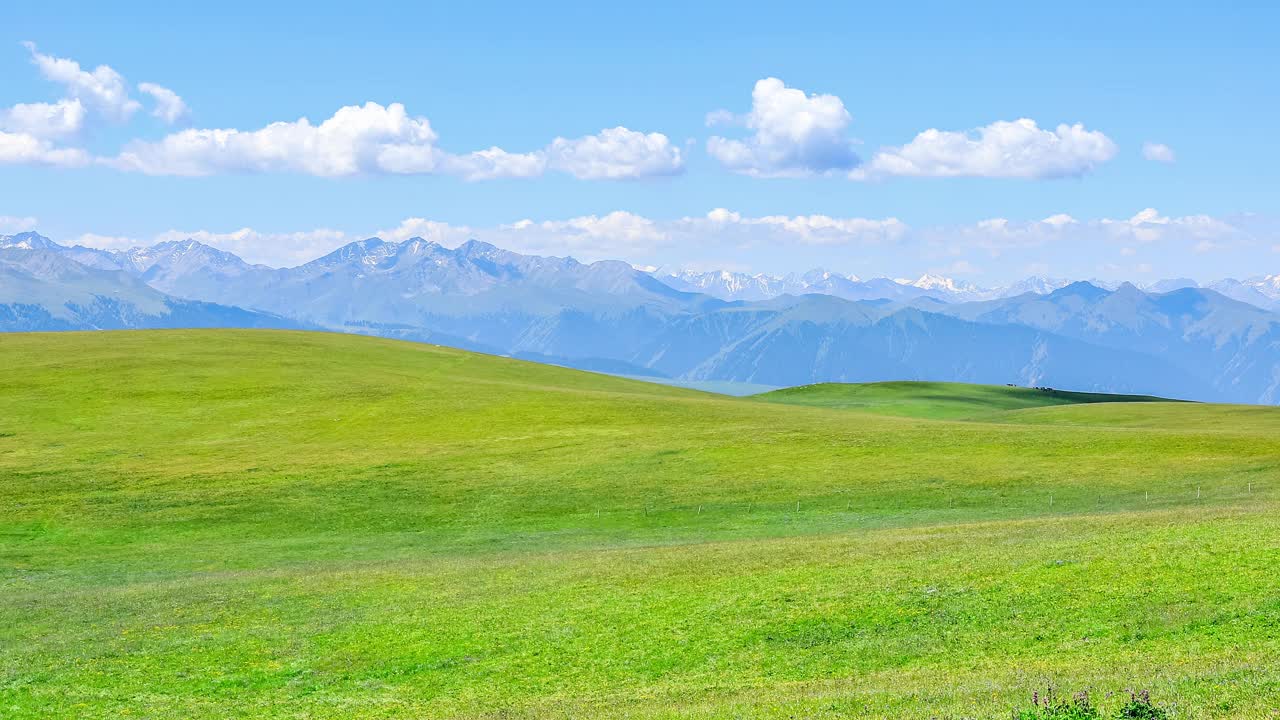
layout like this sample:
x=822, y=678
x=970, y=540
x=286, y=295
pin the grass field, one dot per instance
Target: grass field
x=235, y=524
x=939, y=400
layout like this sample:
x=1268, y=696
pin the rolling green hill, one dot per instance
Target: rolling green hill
x=235, y=524
x=937, y=400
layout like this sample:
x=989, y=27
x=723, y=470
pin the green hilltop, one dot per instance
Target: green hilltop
x=938, y=400
x=238, y=524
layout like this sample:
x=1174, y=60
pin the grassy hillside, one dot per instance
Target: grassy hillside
x=938, y=400
x=234, y=524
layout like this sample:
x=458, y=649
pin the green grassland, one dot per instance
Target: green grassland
x=235, y=524
x=939, y=400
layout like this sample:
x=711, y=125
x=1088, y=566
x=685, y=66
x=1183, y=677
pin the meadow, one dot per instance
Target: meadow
x=244, y=524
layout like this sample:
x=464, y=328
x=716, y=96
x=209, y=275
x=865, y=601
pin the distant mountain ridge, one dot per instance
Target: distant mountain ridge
x=42, y=287
x=728, y=285
x=608, y=316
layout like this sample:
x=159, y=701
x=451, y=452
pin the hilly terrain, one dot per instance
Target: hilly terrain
x=608, y=316
x=43, y=289
x=947, y=401
x=241, y=524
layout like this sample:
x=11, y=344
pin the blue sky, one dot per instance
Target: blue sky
x=1201, y=81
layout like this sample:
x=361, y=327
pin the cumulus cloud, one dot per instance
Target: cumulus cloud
x=372, y=139
x=108, y=242
x=16, y=224
x=616, y=154
x=1067, y=241
x=1149, y=226
x=612, y=154
x=102, y=89
x=807, y=229
x=723, y=117
x=495, y=163
x=357, y=139
x=169, y=105
x=27, y=149
x=621, y=234
x=1058, y=245
x=368, y=138
x=997, y=234
x=28, y=131
x=1159, y=152
x=44, y=120
x=276, y=249
x=793, y=134
x=432, y=230
x=618, y=230
x=1018, y=149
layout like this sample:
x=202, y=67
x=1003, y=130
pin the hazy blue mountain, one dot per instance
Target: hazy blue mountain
x=1169, y=285
x=611, y=317
x=1264, y=292
x=42, y=289
x=482, y=294
x=728, y=285
x=820, y=339
x=1034, y=284
x=1233, y=346
x=475, y=296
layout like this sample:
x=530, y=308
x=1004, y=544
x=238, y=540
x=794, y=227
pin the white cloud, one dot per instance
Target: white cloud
x=280, y=249
x=433, y=230
x=615, y=154
x=1061, y=234
x=794, y=134
x=823, y=229
x=26, y=149
x=1018, y=149
x=1149, y=225
x=108, y=242
x=723, y=117
x=357, y=139
x=722, y=238
x=368, y=138
x=15, y=224
x=169, y=106
x=806, y=229
x=721, y=216
x=1158, y=152
x=44, y=120
x=372, y=139
x=496, y=163
x=998, y=234
x=102, y=89
x=612, y=154
x=618, y=227
x=589, y=237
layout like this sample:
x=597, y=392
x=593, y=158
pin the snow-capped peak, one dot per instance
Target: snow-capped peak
x=929, y=281
x=27, y=241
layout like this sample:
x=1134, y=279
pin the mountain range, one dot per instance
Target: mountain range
x=1220, y=342
x=42, y=287
x=728, y=285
